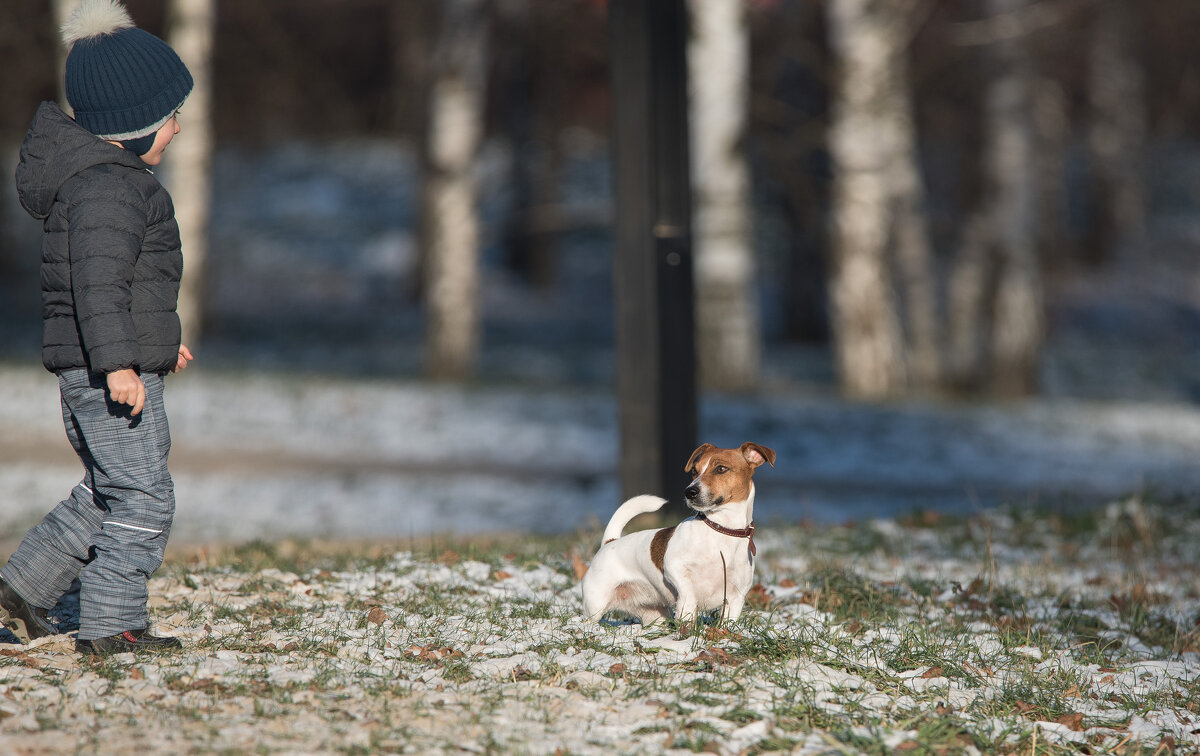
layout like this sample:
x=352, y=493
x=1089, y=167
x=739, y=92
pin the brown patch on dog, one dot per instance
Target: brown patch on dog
x=658, y=546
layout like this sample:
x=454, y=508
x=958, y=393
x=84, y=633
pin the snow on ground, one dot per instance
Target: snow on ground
x=265, y=456
x=1000, y=633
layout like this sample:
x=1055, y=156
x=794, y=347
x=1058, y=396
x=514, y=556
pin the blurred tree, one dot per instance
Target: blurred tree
x=878, y=219
x=790, y=78
x=1116, y=128
x=190, y=28
x=531, y=86
x=728, y=330
x=449, y=216
x=996, y=302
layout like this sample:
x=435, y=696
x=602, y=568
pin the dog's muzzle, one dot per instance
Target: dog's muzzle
x=697, y=500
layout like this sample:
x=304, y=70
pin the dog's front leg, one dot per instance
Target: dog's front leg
x=734, y=604
x=685, y=604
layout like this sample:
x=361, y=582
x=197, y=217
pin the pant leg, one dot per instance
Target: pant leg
x=137, y=494
x=53, y=552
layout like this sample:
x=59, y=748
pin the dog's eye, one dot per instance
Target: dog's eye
x=720, y=469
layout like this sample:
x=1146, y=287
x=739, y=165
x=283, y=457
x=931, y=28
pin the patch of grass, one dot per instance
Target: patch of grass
x=849, y=596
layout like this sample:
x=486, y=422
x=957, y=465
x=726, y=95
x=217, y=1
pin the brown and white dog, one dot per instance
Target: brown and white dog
x=704, y=563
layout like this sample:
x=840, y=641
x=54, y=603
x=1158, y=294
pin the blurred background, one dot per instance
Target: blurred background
x=945, y=251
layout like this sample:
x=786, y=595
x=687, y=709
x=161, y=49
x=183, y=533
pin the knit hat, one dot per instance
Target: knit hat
x=122, y=82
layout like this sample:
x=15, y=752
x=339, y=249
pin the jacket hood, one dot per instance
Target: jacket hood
x=55, y=149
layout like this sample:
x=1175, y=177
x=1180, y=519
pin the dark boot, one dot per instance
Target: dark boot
x=130, y=640
x=25, y=621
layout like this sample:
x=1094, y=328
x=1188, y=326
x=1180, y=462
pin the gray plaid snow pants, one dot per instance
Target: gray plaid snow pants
x=112, y=530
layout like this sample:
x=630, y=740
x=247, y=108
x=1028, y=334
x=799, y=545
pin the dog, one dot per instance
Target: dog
x=702, y=564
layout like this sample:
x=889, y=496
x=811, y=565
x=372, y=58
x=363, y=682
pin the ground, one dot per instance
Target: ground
x=1011, y=631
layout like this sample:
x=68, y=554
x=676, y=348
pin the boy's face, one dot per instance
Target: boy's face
x=161, y=140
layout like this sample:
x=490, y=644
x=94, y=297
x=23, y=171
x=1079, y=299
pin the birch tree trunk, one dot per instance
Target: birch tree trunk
x=1116, y=128
x=877, y=200
x=450, y=225
x=728, y=332
x=996, y=291
x=191, y=26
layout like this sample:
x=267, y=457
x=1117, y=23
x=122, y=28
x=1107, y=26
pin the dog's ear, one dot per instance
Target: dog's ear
x=756, y=454
x=701, y=450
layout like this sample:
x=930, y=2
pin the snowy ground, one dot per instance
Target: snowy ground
x=260, y=456
x=1004, y=633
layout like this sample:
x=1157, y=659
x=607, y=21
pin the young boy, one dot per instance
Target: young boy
x=111, y=266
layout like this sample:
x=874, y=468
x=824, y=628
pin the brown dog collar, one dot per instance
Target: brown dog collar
x=747, y=532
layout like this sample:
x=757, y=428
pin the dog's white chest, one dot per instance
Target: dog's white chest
x=714, y=574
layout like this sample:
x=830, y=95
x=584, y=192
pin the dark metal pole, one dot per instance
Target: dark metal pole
x=656, y=384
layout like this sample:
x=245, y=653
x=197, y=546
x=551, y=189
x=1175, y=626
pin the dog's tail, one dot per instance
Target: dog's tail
x=638, y=505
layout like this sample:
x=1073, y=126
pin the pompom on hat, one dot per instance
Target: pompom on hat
x=123, y=83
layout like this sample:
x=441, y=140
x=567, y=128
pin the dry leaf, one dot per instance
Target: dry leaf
x=376, y=616
x=579, y=566
x=1073, y=722
x=932, y=672
x=757, y=597
x=715, y=656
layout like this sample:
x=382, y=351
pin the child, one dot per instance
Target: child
x=111, y=266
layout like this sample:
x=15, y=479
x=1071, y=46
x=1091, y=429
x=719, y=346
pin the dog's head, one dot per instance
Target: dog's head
x=723, y=475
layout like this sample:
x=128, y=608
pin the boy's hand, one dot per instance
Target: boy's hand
x=126, y=387
x=185, y=355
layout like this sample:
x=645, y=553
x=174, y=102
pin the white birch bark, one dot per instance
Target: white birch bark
x=191, y=26
x=877, y=206
x=450, y=222
x=728, y=333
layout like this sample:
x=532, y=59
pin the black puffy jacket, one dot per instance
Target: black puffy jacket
x=111, y=258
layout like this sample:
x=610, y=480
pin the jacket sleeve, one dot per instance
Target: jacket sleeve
x=104, y=238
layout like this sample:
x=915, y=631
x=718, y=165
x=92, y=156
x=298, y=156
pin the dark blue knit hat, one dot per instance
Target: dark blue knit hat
x=122, y=82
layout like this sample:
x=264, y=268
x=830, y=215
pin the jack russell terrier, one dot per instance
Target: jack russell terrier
x=704, y=563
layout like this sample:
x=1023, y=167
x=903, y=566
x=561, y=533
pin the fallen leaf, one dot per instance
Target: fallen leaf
x=1073, y=722
x=376, y=616
x=932, y=672
x=617, y=669
x=757, y=597
x=579, y=566
x=449, y=558
x=715, y=656
x=787, y=583
x=502, y=575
